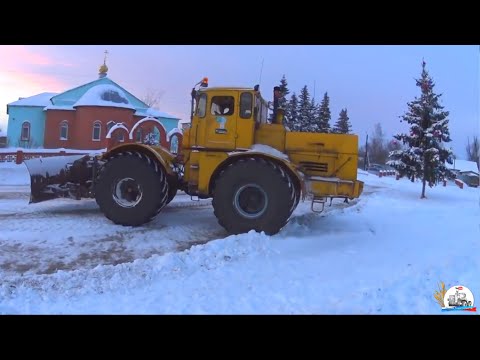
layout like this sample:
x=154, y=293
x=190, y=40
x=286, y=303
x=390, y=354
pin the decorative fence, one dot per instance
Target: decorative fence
x=20, y=155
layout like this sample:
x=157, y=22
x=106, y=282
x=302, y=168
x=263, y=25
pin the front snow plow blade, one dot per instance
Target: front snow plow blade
x=61, y=176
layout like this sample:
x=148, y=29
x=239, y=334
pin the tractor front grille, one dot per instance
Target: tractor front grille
x=311, y=166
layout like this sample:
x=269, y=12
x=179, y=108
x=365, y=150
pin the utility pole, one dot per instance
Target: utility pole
x=366, y=154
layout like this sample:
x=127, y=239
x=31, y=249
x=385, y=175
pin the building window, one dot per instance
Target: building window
x=138, y=136
x=97, y=130
x=110, y=125
x=174, y=144
x=64, y=130
x=26, y=131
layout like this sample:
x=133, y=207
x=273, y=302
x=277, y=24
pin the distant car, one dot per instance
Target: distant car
x=375, y=167
x=469, y=177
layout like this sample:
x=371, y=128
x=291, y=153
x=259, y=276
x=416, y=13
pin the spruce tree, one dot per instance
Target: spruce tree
x=342, y=126
x=324, y=115
x=424, y=155
x=284, y=86
x=312, y=124
x=304, y=110
x=291, y=114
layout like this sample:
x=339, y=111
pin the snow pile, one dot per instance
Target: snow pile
x=13, y=174
x=384, y=253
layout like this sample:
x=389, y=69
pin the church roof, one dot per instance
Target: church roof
x=104, y=95
x=42, y=99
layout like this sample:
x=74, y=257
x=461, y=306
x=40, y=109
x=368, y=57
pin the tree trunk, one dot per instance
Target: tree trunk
x=423, y=189
x=424, y=180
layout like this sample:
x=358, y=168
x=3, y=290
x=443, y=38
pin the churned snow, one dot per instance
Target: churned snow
x=384, y=253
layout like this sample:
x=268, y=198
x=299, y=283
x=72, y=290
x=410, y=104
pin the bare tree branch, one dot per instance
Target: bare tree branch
x=473, y=150
x=152, y=97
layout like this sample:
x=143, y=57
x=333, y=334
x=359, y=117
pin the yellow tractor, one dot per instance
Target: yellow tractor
x=253, y=168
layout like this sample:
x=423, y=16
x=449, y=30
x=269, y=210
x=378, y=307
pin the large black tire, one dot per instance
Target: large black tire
x=131, y=189
x=294, y=191
x=253, y=194
x=172, y=189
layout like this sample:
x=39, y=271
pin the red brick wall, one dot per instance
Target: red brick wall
x=80, y=123
x=148, y=127
x=52, y=129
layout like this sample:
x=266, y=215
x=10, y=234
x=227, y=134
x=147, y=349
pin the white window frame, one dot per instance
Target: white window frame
x=139, y=133
x=29, y=131
x=123, y=134
x=108, y=125
x=63, y=124
x=95, y=123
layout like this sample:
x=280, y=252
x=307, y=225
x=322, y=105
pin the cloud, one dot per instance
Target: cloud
x=26, y=72
x=19, y=55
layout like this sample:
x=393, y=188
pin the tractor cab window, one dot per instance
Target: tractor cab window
x=202, y=105
x=222, y=105
x=246, y=100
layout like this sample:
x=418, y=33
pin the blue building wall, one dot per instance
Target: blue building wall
x=169, y=123
x=17, y=115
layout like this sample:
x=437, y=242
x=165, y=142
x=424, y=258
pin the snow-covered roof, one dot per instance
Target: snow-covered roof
x=115, y=127
x=463, y=165
x=145, y=120
x=104, y=95
x=174, y=131
x=155, y=113
x=59, y=107
x=42, y=99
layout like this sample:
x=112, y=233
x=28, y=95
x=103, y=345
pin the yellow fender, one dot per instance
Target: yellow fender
x=164, y=157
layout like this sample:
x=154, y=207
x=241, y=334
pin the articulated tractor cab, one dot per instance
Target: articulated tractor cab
x=254, y=169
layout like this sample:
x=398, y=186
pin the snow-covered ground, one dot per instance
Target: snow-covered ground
x=381, y=254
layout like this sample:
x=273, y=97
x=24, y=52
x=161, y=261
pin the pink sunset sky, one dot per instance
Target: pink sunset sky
x=373, y=82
